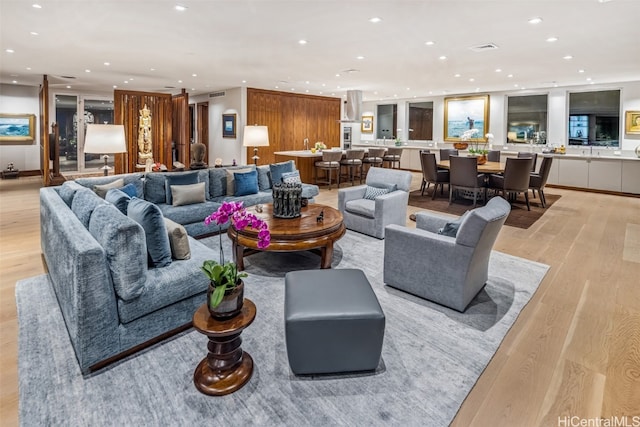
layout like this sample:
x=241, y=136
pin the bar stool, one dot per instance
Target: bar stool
x=392, y=157
x=374, y=158
x=353, y=161
x=330, y=162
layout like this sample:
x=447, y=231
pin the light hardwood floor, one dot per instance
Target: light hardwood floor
x=574, y=351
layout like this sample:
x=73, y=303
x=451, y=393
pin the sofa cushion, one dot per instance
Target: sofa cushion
x=246, y=183
x=101, y=189
x=264, y=183
x=188, y=214
x=83, y=204
x=277, y=169
x=291, y=178
x=218, y=180
x=252, y=199
x=231, y=185
x=119, y=199
x=129, y=178
x=363, y=207
x=178, y=240
x=123, y=241
x=154, y=190
x=68, y=190
x=188, y=194
x=175, y=179
x=150, y=218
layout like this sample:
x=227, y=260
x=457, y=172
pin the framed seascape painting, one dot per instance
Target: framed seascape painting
x=228, y=125
x=17, y=128
x=367, y=124
x=632, y=123
x=465, y=113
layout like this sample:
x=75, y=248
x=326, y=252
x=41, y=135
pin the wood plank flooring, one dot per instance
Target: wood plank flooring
x=574, y=350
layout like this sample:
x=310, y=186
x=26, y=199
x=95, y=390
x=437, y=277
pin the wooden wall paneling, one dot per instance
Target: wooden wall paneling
x=181, y=125
x=202, y=123
x=45, y=164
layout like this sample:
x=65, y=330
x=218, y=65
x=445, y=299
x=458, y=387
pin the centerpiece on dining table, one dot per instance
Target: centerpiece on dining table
x=478, y=147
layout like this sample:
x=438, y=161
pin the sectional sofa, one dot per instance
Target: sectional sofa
x=101, y=254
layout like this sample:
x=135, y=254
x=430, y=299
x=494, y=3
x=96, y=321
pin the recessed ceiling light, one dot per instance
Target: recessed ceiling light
x=472, y=79
x=337, y=74
x=375, y=20
x=443, y=57
x=33, y=33
x=14, y=81
x=180, y=8
x=536, y=20
x=510, y=75
x=36, y=6
x=552, y=39
x=107, y=64
x=360, y=57
x=498, y=70
x=87, y=70
x=152, y=69
x=194, y=75
x=244, y=81
x=581, y=71
x=115, y=86
x=307, y=82
x=604, y=1
x=126, y=81
x=28, y=68
x=515, y=85
x=302, y=41
x=179, y=81
x=277, y=87
x=68, y=87
x=456, y=75
x=408, y=88
x=9, y=51
x=567, y=57
x=588, y=79
x=430, y=43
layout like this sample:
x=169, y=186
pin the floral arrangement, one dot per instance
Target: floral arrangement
x=476, y=146
x=223, y=274
x=320, y=146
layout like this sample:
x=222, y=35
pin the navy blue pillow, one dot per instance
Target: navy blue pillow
x=277, y=169
x=150, y=217
x=246, y=183
x=130, y=190
x=178, y=179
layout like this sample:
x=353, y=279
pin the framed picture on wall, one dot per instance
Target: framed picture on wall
x=228, y=125
x=632, y=123
x=464, y=113
x=367, y=124
x=17, y=128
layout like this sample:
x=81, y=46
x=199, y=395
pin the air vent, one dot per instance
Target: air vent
x=217, y=94
x=67, y=77
x=484, y=47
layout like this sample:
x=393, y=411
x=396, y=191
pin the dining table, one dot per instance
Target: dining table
x=488, y=167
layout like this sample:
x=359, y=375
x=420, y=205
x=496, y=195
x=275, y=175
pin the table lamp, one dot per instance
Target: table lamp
x=102, y=139
x=255, y=136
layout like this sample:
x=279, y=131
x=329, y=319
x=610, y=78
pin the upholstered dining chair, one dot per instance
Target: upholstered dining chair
x=373, y=158
x=447, y=267
x=383, y=200
x=525, y=155
x=445, y=153
x=352, y=162
x=493, y=155
x=330, y=162
x=432, y=175
x=463, y=174
x=392, y=157
x=515, y=179
x=538, y=180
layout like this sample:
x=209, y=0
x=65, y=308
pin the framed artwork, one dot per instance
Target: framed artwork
x=464, y=113
x=228, y=125
x=367, y=124
x=632, y=123
x=17, y=128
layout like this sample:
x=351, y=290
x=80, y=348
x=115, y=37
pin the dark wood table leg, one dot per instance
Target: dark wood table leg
x=326, y=255
x=238, y=255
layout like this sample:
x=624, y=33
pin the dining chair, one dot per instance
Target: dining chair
x=352, y=162
x=537, y=180
x=525, y=155
x=373, y=158
x=515, y=179
x=392, y=157
x=446, y=152
x=493, y=155
x=330, y=162
x=432, y=175
x=424, y=185
x=463, y=175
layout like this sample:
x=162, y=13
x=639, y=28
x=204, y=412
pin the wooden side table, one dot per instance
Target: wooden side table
x=227, y=367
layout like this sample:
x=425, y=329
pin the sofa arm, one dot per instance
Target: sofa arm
x=391, y=208
x=431, y=222
x=351, y=193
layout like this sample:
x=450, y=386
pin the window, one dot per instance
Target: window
x=527, y=119
x=594, y=118
x=421, y=121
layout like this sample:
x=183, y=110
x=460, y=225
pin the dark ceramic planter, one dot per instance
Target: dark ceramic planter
x=231, y=303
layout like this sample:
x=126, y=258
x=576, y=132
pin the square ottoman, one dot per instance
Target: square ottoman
x=333, y=322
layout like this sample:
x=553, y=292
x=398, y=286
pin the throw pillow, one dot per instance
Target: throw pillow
x=175, y=179
x=178, y=239
x=130, y=190
x=277, y=169
x=246, y=183
x=451, y=228
x=372, y=192
x=101, y=190
x=188, y=194
x=149, y=216
x=390, y=187
x=291, y=178
x=231, y=183
x=119, y=199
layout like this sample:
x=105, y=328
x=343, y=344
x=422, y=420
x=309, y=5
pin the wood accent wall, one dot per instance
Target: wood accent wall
x=291, y=118
x=127, y=106
x=181, y=128
x=202, y=120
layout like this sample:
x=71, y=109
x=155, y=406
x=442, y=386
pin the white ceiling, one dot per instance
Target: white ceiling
x=254, y=43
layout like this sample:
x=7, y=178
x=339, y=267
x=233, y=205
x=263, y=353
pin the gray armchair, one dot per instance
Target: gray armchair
x=447, y=270
x=371, y=216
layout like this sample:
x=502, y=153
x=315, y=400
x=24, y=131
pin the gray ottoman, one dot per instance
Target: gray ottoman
x=333, y=322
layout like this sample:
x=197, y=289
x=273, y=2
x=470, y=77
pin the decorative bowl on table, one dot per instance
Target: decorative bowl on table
x=460, y=145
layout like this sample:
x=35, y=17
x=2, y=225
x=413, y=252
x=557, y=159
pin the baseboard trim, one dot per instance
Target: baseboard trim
x=593, y=190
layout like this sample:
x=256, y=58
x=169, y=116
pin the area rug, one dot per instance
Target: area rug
x=519, y=217
x=431, y=357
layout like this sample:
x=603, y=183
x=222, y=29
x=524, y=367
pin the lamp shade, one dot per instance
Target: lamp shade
x=103, y=139
x=255, y=136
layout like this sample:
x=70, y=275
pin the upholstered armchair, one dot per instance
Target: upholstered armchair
x=449, y=270
x=383, y=200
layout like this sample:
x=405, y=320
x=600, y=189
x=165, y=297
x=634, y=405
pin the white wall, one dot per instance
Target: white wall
x=227, y=149
x=15, y=99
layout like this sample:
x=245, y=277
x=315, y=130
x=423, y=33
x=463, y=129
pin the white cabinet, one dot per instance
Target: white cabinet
x=605, y=174
x=554, y=173
x=597, y=173
x=631, y=176
x=573, y=172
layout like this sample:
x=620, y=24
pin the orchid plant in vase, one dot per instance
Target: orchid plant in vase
x=475, y=148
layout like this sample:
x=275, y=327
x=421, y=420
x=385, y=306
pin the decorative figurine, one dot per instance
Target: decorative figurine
x=144, y=136
x=320, y=218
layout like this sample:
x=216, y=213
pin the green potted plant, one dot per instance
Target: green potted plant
x=226, y=288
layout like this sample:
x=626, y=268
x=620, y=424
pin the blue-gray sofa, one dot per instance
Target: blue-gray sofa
x=97, y=257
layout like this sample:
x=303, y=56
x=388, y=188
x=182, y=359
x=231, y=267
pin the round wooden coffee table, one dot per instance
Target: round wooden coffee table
x=291, y=235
